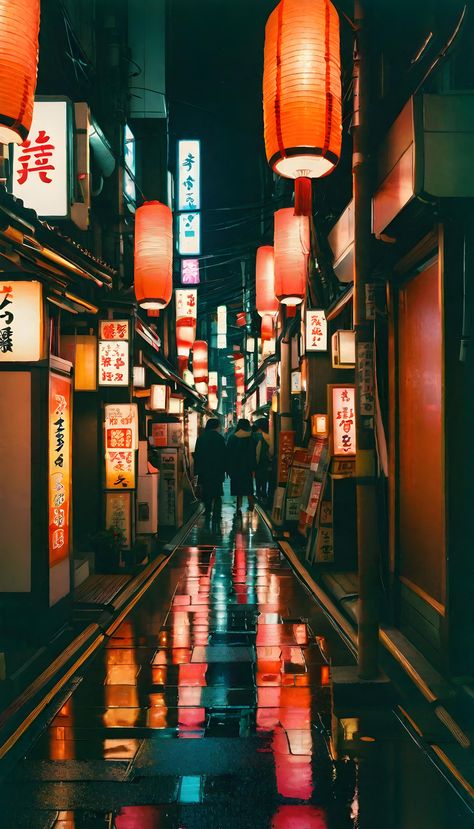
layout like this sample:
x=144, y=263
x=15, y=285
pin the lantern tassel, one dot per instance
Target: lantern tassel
x=303, y=197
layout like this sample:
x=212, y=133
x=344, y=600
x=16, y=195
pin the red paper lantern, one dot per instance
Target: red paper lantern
x=267, y=302
x=241, y=319
x=291, y=246
x=153, y=255
x=19, y=29
x=302, y=110
x=185, y=335
x=267, y=328
x=200, y=366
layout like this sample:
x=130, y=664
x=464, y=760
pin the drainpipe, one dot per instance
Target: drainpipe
x=367, y=529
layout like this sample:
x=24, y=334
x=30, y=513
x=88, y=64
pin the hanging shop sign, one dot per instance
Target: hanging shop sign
x=121, y=426
x=342, y=417
x=113, y=330
x=120, y=469
x=42, y=165
x=189, y=175
x=59, y=467
x=285, y=454
x=129, y=157
x=221, y=319
x=118, y=514
x=21, y=322
x=366, y=384
x=316, y=330
x=190, y=272
x=186, y=313
x=189, y=234
x=113, y=353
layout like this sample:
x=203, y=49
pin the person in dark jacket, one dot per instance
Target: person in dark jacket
x=241, y=463
x=210, y=465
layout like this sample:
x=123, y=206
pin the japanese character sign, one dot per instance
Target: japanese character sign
x=186, y=304
x=113, y=363
x=118, y=513
x=40, y=165
x=121, y=431
x=343, y=420
x=190, y=272
x=189, y=234
x=113, y=330
x=59, y=467
x=21, y=321
x=189, y=175
x=316, y=330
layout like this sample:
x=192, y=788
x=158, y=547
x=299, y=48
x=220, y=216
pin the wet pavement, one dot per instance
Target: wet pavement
x=210, y=706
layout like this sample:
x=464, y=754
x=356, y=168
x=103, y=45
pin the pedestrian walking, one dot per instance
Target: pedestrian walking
x=262, y=473
x=241, y=463
x=210, y=466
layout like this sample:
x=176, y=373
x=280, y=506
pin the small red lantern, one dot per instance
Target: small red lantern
x=291, y=246
x=267, y=328
x=302, y=109
x=19, y=29
x=266, y=302
x=153, y=255
x=200, y=366
x=241, y=319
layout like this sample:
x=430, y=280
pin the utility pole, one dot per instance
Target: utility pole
x=367, y=529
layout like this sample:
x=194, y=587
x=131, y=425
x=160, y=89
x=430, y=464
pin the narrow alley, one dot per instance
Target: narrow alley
x=209, y=706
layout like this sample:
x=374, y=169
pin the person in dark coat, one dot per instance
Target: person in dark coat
x=210, y=465
x=241, y=463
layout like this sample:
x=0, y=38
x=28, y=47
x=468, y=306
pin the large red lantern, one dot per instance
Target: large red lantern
x=153, y=255
x=19, y=29
x=267, y=302
x=267, y=331
x=200, y=366
x=302, y=109
x=291, y=246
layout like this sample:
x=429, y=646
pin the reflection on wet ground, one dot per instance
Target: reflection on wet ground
x=210, y=707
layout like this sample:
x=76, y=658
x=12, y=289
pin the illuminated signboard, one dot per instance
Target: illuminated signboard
x=316, y=330
x=121, y=443
x=118, y=514
x=41, y=165
x=190, y=272
x=343, y=422
x=129, y=188
x=221, y=319
x=189, y=234
x=222, y=341
x=295, y=382
x=113, y=353
x=21, y=322
x=189, y=175
x=59, y=467
x=186, y=303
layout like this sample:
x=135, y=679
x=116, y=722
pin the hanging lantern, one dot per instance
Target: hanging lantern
x=19, y=29
x=239, y=369
x=267, y=328
x=153, y=255
x=200, y=366
x=213, y=388
x=241, y=319
x=267, y=302
x=291, y=246
x=302, y=110
x=186, y=313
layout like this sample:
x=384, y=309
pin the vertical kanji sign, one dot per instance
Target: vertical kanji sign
x=113, y=353
x=21, y=321
x=316, y=330
x=59, y=467
x=41, y=165
x=343, y=425
x=189, y=175
x=121, y=443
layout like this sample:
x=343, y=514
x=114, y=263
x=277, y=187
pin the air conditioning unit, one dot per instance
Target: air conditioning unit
x=343, y=349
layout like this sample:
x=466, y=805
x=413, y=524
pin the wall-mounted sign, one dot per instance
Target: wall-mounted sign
x=343, y=422
x=190, y=272
x=189, y=175
x=113, y=330
x=113, y=363
x=296, y=382
x=118, y=514
x=121, y=426
x=222, y=341
x=186, y=303
x=120, y=469
x=129, y=188
x=21, y=322
x=221, y=319
x=41, y=166
x=316, y=330
x=189, y=234
x=59, y=467
x=285, y=454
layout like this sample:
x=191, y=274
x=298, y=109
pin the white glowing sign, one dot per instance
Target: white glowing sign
x=222, y=341
x=343, y=420
x=190, y=272
x=189, y=234
x=316, y=330
x=186, y=303
x=41, y=165
x=21, y=321
x=189, y=175
x=113, y=362
x=221, y=319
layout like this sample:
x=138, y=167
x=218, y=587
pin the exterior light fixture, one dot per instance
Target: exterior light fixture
x=343, y=349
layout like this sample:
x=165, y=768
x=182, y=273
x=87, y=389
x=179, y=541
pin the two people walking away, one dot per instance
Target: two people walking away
x=210, y=467
x=242, y=463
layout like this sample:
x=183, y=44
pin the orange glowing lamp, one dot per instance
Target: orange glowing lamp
x=19, y=32
x=292, y=247
x=153, y=255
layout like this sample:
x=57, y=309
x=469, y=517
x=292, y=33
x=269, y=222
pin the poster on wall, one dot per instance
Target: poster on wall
x=59, y=467
x=285, y=454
